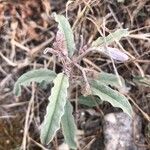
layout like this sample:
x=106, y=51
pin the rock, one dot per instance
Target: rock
x=63, y=146
x=120, y=132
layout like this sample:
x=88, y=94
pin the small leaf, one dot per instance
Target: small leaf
x=114, y=53
x=110, y=79
x=55, y=109
x=90, y=101
x=120, y=1
x=69, y=127
x=37, y=75
x=117, y=35
x=65, y=28
x=114, y=97
x=145, y=81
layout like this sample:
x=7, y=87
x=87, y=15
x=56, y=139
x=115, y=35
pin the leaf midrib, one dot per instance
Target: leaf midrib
x=55, y=106
x=119, y=104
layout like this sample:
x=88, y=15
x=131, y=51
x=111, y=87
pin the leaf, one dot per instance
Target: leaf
x=120, y=1
x=114, y=53
x=110, y=79
x=112, y=96
x=90, y=101
x=69, y=127
x=37, y=75
x=145, y=81
x=65, y=28
x=117, y=35
x=55, y=109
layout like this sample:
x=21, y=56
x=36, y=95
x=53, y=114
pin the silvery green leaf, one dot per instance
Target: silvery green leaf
x=120, y=1
x=55, y=109
x=112, y=96
x=65, y=28
x=115, y=36
x=69, y=127
x=109, y=79
x=37, y=75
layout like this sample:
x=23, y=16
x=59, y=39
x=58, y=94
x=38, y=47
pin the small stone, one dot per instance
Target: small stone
x=63, y=146
x=120, y=132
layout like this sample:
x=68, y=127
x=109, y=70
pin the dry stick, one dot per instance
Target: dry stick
x=143, y=113
x=44, y=31
x=26, y=127
x=39, y=47
x=136, y=64
x=79, y=58
x=5, y=80
x=79, y=17
x=13, y=35
x=88, y=5
x=67, y=7
x=55, y=141
x=3, y=71
x=8, y=61
x=97, y=25
x=89, y=144
x=139, y=29
x=47, y=5
x=138, y=8
x=92, y=64
x=13, y=51
x=21, y=46
x=50, y=60
x=83, y=72
x=145, y=53
x=38, y=144
x=143, y=61
x=2, y=97
x=34, y=50
x=55, y=53
x=6, y=117
x=8, y=106
x=140, y=36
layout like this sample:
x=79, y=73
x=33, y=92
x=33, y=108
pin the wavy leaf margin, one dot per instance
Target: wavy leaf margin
x=112, y=96
x=69, y=127
x=37, y=75
x=55, y=109
x=65, y=28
